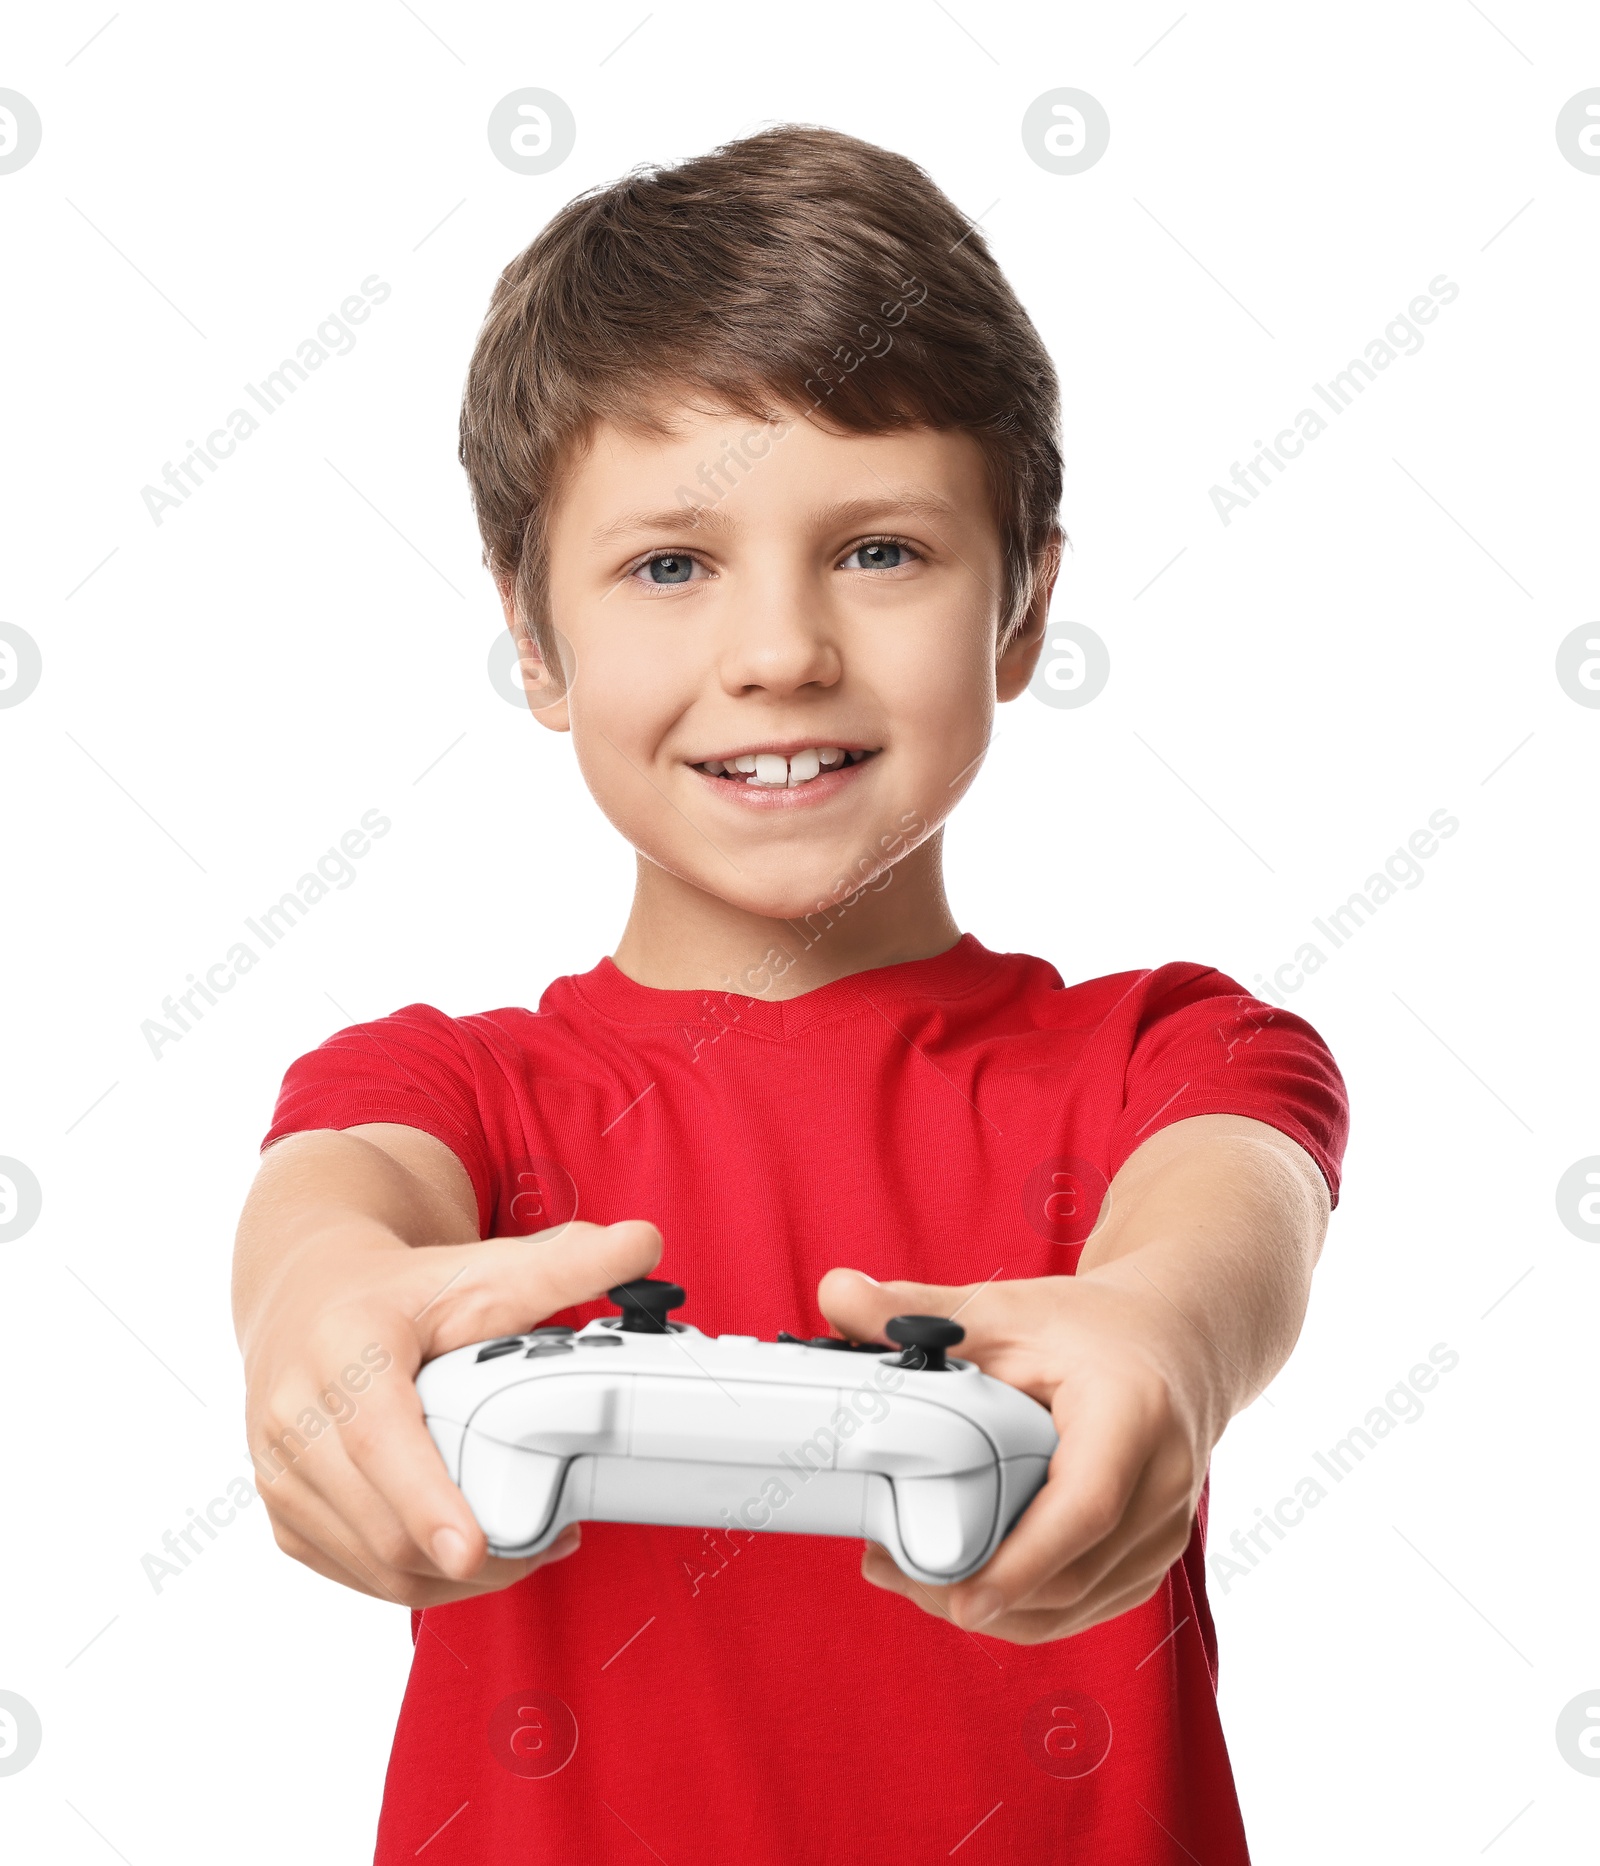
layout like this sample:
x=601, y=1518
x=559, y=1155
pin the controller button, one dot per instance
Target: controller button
x=497, y=1348
x=548, y=1347
x=645, y=1303
x=924, y=1339
x=599, y=1341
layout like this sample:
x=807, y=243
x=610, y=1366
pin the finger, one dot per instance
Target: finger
x=391, y=1447
x=417, y=1591
x=309, y=1555
x=349, y=1549
x=1092, y=1479
x=403, y=1589
x=1149, y=1550
x=1019, y=1626
x=1034, y=1626
x=468, y=1292
x=324, y=1481
x=1067, y=1604
x=998, y=1318
x=378, y=1472
x=1124, y=1593
x=414, y=1517
x=1156, y=1523
x=878, y=1567
x=505, y=1283
x=858, y=1306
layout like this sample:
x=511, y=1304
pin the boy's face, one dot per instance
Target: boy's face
x=825, y=604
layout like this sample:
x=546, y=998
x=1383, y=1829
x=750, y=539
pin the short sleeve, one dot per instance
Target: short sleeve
x=1203, y=1045
x=411, y=1069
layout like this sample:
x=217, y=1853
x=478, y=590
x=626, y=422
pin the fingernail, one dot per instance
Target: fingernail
x=565, y=1544
x=980, y=1608
x=450, y=1552
x=867, y=1279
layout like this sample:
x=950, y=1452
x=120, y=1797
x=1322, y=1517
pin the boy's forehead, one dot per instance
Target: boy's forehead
x=698, y=454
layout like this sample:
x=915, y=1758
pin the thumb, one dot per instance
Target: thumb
x=504, y=1286
x=859, y=1307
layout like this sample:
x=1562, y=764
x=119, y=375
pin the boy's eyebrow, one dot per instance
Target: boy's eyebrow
x=910, y=503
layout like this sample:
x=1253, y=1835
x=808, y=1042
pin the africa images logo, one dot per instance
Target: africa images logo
x=1400, y=337
x=335, y=870
x=332, y=337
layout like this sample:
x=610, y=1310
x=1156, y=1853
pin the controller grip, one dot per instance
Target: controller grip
x=514, y=1491
x=942, y=1520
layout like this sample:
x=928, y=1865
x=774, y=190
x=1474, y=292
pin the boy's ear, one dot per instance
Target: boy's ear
x=546, y=691
x=1020, y=655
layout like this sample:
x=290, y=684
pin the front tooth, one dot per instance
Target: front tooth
x=746, y=761
x=771, y=768
x=713, y=765
x=804, y=766
x=829, y=755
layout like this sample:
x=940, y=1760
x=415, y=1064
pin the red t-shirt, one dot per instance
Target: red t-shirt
x=686, y=1696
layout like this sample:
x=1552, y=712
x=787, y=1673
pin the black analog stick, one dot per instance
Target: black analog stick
x=645, y=1304
x=928, y=1335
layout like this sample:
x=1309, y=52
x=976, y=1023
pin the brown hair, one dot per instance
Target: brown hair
x=753, y=276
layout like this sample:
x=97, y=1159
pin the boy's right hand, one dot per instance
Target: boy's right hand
x=351, y=1478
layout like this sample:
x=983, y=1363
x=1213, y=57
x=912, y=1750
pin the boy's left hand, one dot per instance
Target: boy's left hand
x=1138, y=1399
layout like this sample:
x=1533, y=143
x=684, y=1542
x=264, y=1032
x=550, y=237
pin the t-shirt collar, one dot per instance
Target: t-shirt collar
x=960, y=968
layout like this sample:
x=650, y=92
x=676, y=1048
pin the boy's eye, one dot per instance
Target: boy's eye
x=878, y=554
x=667, y=567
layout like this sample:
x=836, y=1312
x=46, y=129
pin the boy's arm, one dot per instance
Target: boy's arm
x=1189, y=1296
x=357, y=1260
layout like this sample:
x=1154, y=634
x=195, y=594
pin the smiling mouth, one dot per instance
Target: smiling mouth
x=780, y=771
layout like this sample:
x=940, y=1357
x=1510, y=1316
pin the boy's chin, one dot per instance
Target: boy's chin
x=797, y=897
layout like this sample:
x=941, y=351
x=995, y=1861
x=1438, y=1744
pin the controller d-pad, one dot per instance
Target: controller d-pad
x=599, y=1341
x=541, y=1348
x=832, y=1341
x=492, y=1350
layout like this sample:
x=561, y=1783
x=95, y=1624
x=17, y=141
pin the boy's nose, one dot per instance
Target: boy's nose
x=778, y=643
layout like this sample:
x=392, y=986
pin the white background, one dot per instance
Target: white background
x=1373, y=640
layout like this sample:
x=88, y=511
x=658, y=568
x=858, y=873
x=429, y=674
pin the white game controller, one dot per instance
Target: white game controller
x=636, y=1419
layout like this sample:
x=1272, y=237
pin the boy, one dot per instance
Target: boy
x=764, y=455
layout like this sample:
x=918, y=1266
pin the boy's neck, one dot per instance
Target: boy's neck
x=679, y=938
